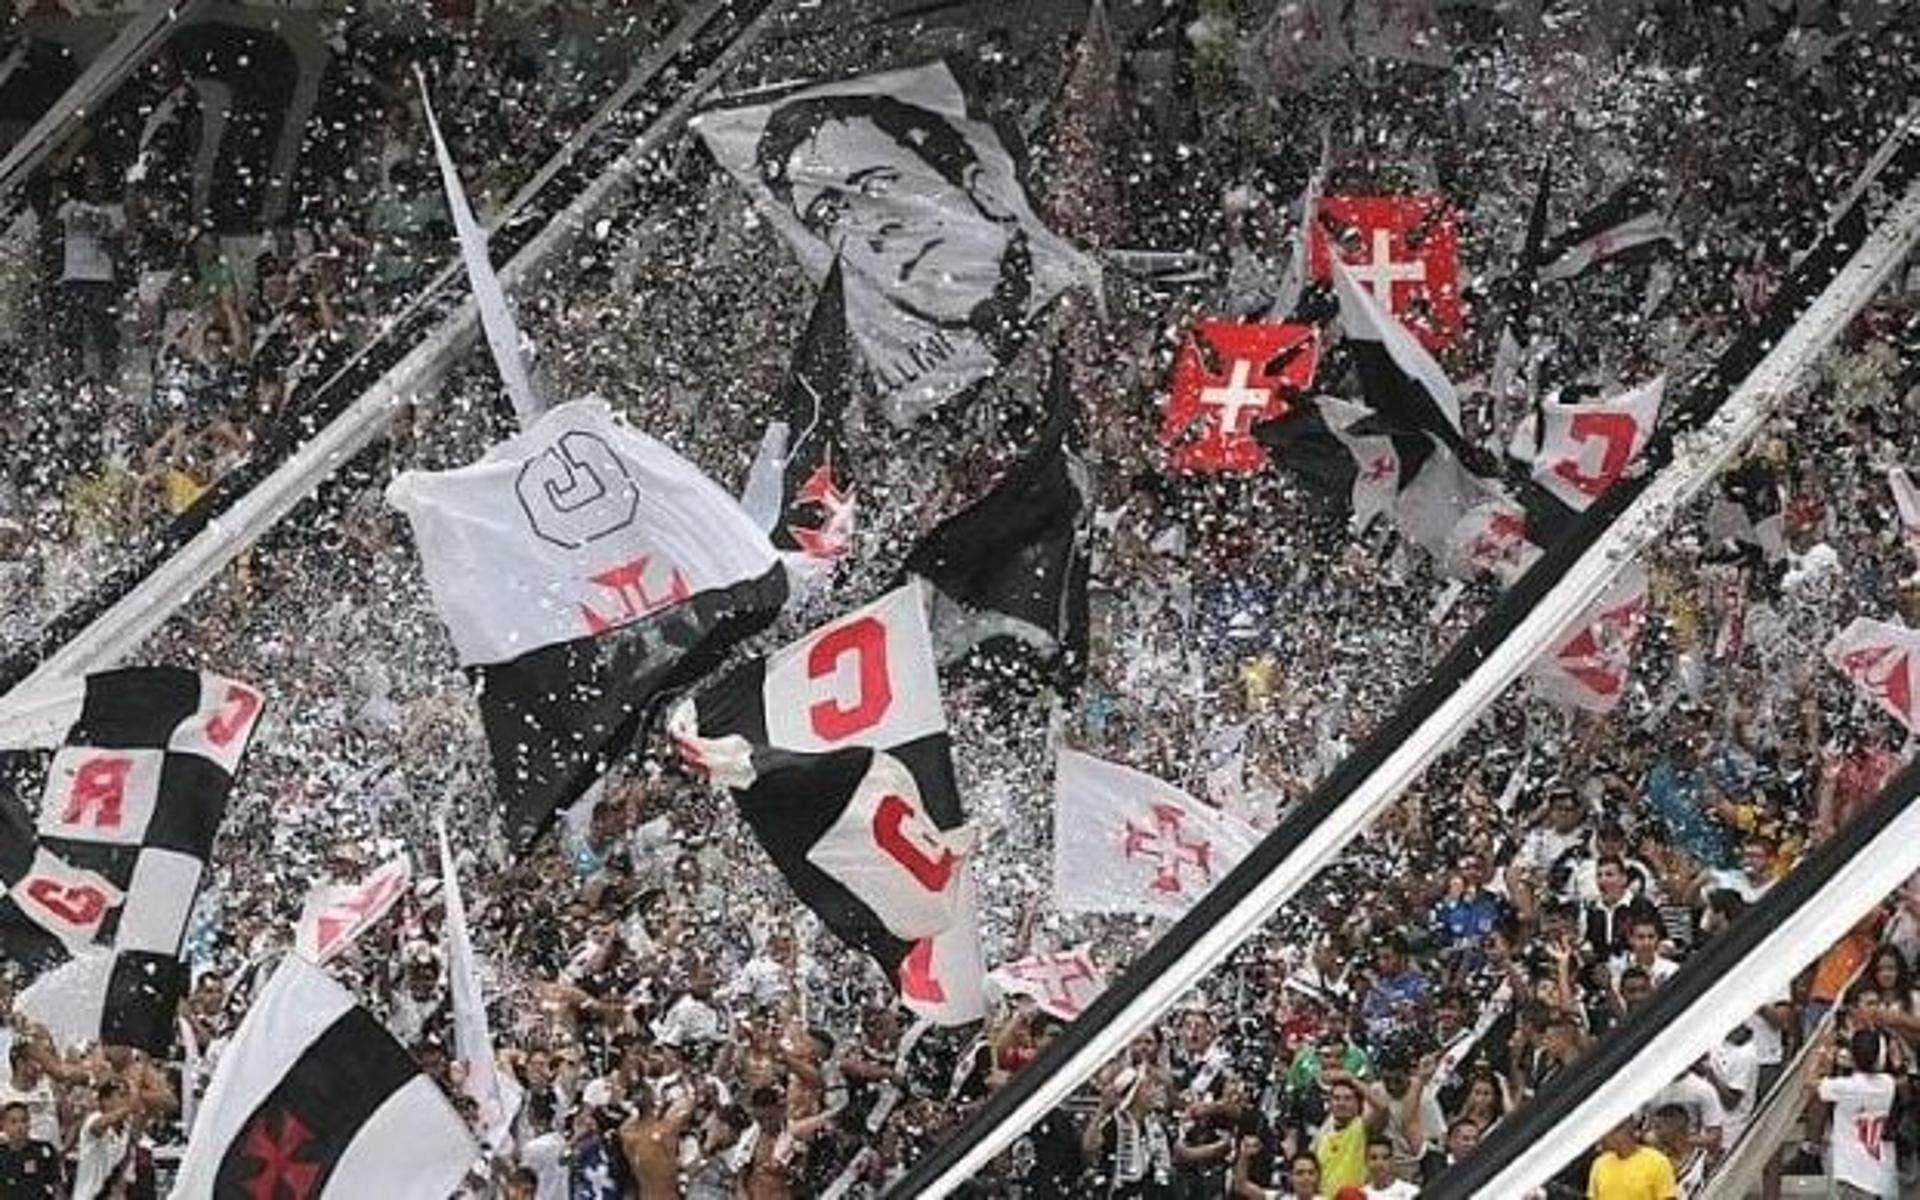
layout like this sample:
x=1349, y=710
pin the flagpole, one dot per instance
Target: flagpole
x=1727, y=406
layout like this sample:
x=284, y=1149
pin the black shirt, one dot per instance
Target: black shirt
x=29, y=1172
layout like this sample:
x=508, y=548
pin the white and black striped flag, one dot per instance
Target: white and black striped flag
x=836, y=749
x=1627, y=220
x=97, y=897
x=582, y=568
x=316, y=1099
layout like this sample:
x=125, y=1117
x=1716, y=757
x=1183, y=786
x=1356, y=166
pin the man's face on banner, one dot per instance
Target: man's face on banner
x=933, y=244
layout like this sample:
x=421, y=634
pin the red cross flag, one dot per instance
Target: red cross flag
x=1227, y=378
x=1881, y=660
x=1403, y=249
x=1124, y=842
x=1062, y=983
x=1591, y=668
x=336, y=913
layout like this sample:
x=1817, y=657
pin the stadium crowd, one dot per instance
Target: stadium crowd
x=676, y=1023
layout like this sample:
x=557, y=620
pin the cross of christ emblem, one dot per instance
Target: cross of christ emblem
x=1056, y=974
x=1882, y=672
x=1383, y=270
x=1236, y=398
x=834, y=534
x=628, y=582
x=1381, y=467
x=279, y=1172
x=1161, y=843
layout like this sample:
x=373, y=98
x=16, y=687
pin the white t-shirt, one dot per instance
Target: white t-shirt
x=1739, y=1067
x=1860, y=1142
x=98, y=1157
x=1399, y=1189
x=1768, y=1050
x=43, y=1108
x=1698, y=1097
x=546, y=1156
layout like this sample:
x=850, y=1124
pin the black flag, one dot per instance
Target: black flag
x=1009, y=572
x=816, y=506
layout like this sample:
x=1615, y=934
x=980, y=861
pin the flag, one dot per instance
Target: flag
x=496, y=1097
x=815, y=524
x=1124, y=842
x=1590, y=669
x=1880, y=659
x=496, y=319
x=944, y=259
x=1907, y=501
x=1581, y=448
x=1009, y=572
x=334, y=914
x=313, y=1098
x=582, y=568
x=943, y=978
x=1404, y=249
x=837, y=751
x=1628, y=219
x=97, y=900
x=1227, y=377
x=1062, y=983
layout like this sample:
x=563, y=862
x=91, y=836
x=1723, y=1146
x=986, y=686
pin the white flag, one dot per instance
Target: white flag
x=1585, y=447
x=1907, y=500
x=1124, y=842
x=1062, y=983
x=942, y=979
x=1590, y=668
x=496, y=1095
x=314, y=1098
x=336, y=913
x=1883, y=661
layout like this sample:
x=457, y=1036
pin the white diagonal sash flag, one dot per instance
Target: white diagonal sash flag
x=1124, y=842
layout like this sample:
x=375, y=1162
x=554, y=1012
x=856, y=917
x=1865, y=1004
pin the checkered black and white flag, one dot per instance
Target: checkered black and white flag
x=97, y=897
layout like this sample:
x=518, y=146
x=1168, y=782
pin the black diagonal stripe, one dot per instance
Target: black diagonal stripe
x=328, y=1095
x=135, y=707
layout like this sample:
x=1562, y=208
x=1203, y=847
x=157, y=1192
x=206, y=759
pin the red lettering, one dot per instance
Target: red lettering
x=76, y=904
x=1618, y=431
x=916, y=975
x=236, y=713
x=890, y=833
x=867, y=638
x=99, y=786
x=1871, y=1131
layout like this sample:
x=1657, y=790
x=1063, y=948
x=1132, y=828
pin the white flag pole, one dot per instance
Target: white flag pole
x=503, y=336
x=498, y=1098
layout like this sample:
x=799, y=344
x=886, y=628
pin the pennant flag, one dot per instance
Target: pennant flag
x=1009, y=572
x=1227, y=377
x=1626, y=220
x=945, y=260
x=1404, y=249
x=1880, y=659
x=837, y=752
x=816, y=503
x=496, y=319
x=1124, y=842
x=496, y=1097
x=314, y=1099
x=98, y=901
x=1907, y=501
x=582, y=568
x=1061, y=983
x=1583, y=447
x=334, y=914
x=1590, y=670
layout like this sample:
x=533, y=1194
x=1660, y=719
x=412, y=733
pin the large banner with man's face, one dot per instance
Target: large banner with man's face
x=943, y=257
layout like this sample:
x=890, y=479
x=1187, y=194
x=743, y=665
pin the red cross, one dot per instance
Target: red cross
x=278, y=1160
x=629, y=583
x=1056, y=974
x=834, y=534
x=1161, y=843
x=1501, y=542
x=1882, y=672
x=1380, y=468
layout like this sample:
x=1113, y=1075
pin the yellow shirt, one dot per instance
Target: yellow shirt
x=1343, y=1157
x=1643, y=1175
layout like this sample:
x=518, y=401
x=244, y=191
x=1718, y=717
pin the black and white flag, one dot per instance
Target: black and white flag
x=315, y=1099
x=97, y=899
x=836, y=749
x=582, y=568
x=1009, y=572
x=1626, y=220
x=922, y=204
